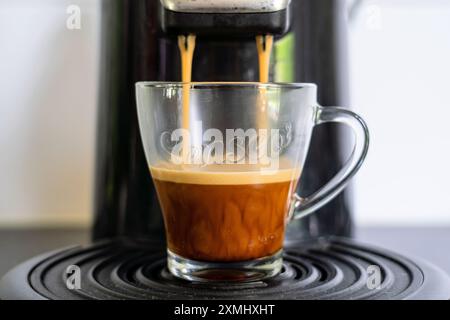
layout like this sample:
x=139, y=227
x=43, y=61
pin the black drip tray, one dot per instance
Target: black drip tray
x=126, y=269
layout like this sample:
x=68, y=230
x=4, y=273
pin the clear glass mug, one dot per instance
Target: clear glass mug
x=226, y=159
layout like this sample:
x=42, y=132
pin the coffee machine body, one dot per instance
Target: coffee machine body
x=139, y=43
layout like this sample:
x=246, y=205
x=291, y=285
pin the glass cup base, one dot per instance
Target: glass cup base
x=245, y=271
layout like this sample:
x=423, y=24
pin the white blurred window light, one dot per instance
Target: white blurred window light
x=400, y=77
x=47, y=107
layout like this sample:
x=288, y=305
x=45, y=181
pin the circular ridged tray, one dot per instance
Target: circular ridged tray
x=326, y=269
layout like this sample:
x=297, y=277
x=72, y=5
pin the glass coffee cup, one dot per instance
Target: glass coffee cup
x=226, y=159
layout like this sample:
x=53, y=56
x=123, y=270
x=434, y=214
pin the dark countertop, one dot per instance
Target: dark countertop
x=431, y=244
x=427, y=243
x=17, y=246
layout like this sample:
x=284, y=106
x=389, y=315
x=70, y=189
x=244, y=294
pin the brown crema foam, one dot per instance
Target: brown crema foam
x=224, y=216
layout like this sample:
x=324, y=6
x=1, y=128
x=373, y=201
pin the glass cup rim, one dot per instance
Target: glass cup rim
x=223, y=85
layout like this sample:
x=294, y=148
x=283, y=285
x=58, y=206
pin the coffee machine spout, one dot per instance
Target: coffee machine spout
x=236, y=19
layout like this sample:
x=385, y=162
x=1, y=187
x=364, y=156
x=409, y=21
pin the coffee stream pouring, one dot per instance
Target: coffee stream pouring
x=186, y=44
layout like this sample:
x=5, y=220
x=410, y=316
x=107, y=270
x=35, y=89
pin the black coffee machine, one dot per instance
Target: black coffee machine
x=140, y=43
x=127, y=257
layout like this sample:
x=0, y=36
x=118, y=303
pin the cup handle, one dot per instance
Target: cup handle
x=301, y=207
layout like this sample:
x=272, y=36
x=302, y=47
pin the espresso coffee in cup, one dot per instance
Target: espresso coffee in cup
x=226, y=182
x=226, y=215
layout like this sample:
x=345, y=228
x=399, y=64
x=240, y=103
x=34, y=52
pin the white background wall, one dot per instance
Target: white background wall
x=48, y=81
x=400, y=53
x=400, y=67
